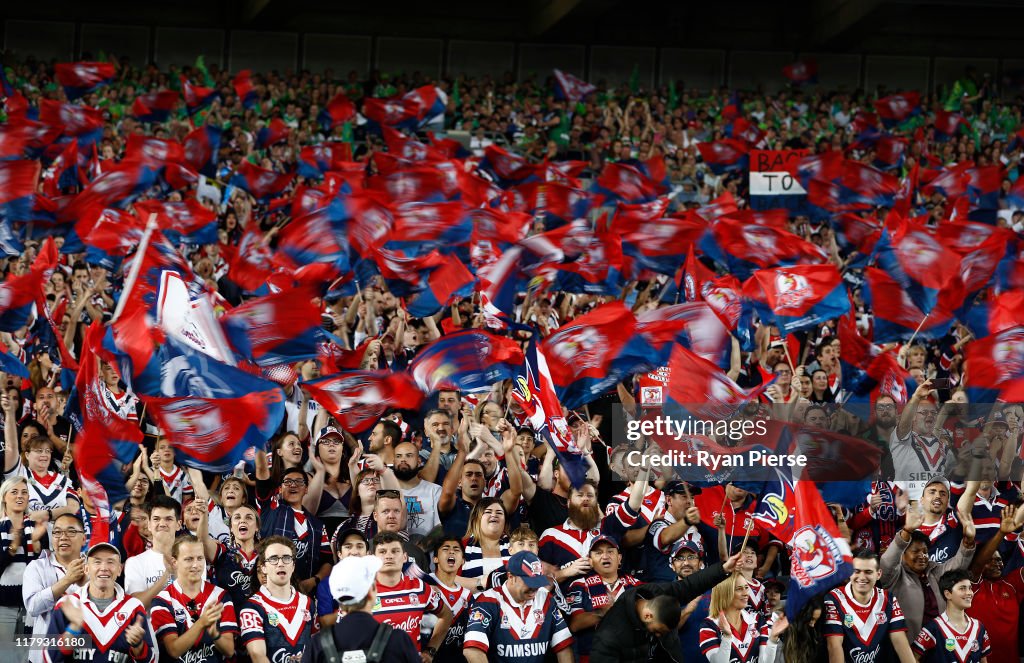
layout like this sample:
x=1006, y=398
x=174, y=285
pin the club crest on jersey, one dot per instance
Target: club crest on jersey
x=120, y=617
x=793, y=289
x=478, y=616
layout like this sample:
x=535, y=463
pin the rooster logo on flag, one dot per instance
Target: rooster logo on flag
x=762, y=242
x=581, y=345
x=793, y=289
x=814, y=557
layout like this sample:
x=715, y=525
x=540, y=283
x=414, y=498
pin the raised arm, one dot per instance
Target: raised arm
x=11, y=443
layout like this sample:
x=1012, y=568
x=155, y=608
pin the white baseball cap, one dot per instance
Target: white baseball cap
x=352, y=578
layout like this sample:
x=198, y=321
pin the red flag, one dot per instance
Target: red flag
x=360, y=398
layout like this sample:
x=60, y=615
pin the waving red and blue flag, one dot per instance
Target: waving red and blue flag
x=315, y=160
x=947, y=125
x=245, y=90
x=182, y=222
x=155, y=107
x=534, y=390
x=81, y=78
x=918, y=262
x=728, y=155
x=107, y=442
x=469, y=360
x=261, y=183
x=820, y=558
x=18, y=181
x=741, y=248
x=997, y=359
x=897, y=108
x=798, y=297
x=201, y=148
x=659, y=244
x=694, y=325
x=448, y=280
x=272, y=133
x=322, y=236
x=280, y=328
x=358, y=399
x=215, y=433
x=197, y=97
x=701, y=389
x=412, y=111
x=337, y=112
x=897, y=315
x=81, y=122
x=591, y=354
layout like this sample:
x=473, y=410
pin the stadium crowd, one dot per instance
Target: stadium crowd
x=472, y=527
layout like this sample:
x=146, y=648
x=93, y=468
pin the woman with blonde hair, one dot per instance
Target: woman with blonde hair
x=486, y=543
x=733, y=634
x=21, y=541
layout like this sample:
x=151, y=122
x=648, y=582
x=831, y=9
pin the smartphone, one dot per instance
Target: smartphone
x=940, y=383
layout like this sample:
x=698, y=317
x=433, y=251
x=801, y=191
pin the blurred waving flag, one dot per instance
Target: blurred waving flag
x=276, y=329
x=801, y=71
x=358, y=399
x=337, y=112
x=81, y=78
x=155, y=107
x=468, y=360
x=244, y=89
x=571, y=88
x=798, y=297
x=589, y=355
x=197, y=97
x=263, y=184
x=897, y=108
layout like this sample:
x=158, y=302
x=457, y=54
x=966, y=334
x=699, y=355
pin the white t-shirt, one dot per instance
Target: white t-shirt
x=142, y=570
x=421, y=506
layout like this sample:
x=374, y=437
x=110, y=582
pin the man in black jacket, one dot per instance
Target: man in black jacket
x=641, y=626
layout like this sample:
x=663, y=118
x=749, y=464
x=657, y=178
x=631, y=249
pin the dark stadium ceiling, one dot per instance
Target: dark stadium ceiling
x=936, y=27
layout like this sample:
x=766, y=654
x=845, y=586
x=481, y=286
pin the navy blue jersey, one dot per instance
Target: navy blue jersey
x=513, y=633
x=235, y=573
x=173, y=613
x=311, y=541
x=865, y=629
x=589, y=594
x=106, y=628
x=457, y=599
x=941, y=642
x=284, y=627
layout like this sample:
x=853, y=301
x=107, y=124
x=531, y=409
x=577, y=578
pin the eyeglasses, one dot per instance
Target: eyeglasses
x=280, y=559
x=41, y=452
x=686, y=558
x=885, y=406
x=58, y=533
x=389, y=492
x=330, y=442
x=293, y=482
x=370, y=481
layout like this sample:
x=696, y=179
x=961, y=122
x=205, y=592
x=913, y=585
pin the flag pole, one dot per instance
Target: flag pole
x=914, y=335
x=133, y=275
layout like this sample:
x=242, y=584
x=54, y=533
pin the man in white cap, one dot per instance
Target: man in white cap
x=355, y=635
